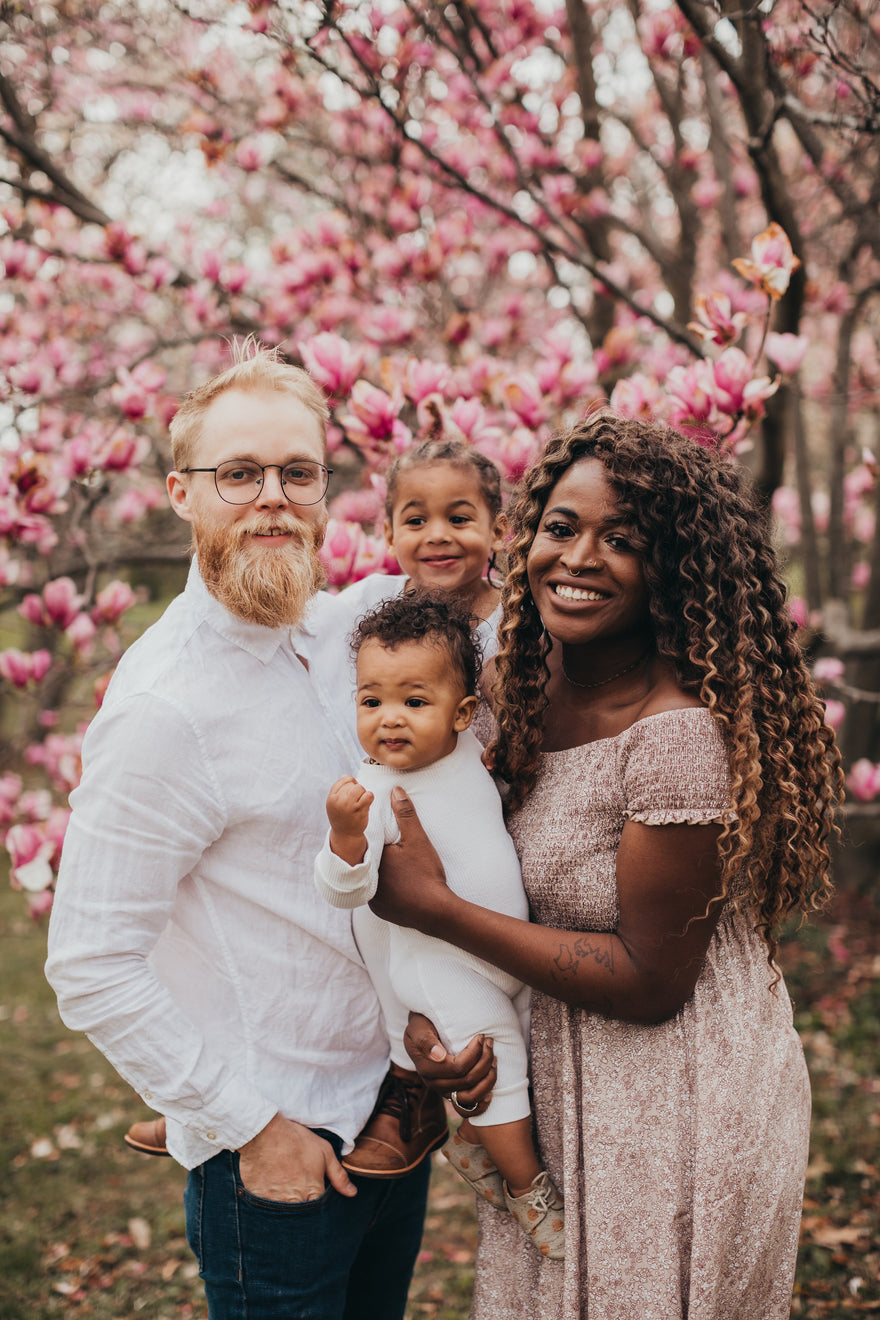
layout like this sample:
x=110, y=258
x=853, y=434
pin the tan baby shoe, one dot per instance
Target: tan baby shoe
x=541, y=1216
x=475, y=1166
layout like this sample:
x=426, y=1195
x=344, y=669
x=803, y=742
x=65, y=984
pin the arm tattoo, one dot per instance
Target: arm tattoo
x=580, y=949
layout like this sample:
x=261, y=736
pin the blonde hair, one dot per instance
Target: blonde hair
x=254, y=367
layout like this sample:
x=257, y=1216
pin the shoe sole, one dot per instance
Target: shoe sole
x=145, y=1150
x=395, y=1173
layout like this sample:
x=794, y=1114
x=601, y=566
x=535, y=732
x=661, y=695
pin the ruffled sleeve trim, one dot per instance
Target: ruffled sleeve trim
x=681, y=816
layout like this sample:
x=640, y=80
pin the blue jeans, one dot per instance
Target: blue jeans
x=337, y=1258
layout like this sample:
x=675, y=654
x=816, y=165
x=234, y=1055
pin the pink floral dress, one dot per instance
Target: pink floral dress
x=681, y=1148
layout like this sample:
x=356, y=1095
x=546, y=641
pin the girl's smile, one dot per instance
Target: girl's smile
x=442, y=531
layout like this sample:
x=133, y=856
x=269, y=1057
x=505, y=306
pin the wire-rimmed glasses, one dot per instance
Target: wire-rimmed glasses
x=240, y=480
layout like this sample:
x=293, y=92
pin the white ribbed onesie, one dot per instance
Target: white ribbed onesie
x=458, y=804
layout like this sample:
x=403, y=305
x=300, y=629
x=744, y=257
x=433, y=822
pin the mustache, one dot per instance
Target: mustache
x=279, y=522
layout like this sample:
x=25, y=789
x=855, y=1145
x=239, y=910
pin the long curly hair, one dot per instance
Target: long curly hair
x=717, y=605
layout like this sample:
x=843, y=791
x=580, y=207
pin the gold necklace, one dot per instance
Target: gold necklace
x=602, y=681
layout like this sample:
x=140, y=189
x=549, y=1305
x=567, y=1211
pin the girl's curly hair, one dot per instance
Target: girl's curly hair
x=718, y=609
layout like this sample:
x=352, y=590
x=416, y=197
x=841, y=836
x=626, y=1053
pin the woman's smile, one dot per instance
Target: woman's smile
x=585, y=575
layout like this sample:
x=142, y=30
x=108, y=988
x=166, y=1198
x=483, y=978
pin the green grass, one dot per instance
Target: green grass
x=90, y=1229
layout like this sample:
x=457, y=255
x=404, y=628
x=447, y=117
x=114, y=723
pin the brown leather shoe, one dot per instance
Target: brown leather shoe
x=147, y=1137
x=408, y=1122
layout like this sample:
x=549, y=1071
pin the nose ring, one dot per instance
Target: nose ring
x=575, y=572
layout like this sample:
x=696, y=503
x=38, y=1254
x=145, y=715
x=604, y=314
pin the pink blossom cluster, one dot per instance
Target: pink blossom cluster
x=22, y=667
x=349, y=553
x=444, y=249
x=863, y=780
x=59, y=605
x=35, y=850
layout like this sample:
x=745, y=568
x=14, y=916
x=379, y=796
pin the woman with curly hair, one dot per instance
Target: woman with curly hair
x=672, y=787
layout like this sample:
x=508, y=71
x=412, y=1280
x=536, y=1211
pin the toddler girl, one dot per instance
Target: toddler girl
x=417, y=667
x=444, y=524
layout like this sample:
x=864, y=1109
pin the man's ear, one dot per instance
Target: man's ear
x=464, y=715
x=178, y=495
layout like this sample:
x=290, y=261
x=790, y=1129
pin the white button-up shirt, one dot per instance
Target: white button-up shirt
x=187, y=938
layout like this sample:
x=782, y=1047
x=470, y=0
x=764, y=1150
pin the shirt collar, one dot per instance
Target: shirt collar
x=258, y=640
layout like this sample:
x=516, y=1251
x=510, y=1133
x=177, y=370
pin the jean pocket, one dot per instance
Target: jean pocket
x=299, y=1208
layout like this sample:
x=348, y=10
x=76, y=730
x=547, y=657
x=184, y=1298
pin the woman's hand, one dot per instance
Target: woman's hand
x=412, y=883
x=467, y=1077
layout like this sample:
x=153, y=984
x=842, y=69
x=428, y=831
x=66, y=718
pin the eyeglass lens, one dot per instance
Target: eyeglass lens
x=240, y=481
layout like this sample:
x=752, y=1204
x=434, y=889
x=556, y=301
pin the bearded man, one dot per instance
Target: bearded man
x=187, y=937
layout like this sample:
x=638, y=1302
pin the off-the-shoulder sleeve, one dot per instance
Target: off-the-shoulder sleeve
x=675, y=770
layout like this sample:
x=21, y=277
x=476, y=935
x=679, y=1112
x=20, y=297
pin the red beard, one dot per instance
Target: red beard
x=258, y=583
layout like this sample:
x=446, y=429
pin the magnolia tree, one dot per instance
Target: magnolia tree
x=480, y=216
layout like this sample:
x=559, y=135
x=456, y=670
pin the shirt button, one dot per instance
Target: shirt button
x=148, y=1095
x=210, y=1136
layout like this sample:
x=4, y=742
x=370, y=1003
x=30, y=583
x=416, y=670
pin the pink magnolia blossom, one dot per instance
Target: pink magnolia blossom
x=373, y=424
x=828, y=669
x=61, y=602
x=137, y=501
x=20, y=668
x=863, y=780
x=333, y=362
x=717, y=322
x=82, y=632
x=389, y=325
x=787, y=507
x=41, y=663
x=736, y=388
x=338, y=551
x=425, y=378
x=130, y=397
x=860, y=575
x=31, y=608
x=513, y=452
x=60, y=755
x=31, y=854
x=112, y=602
x=637, y=396
x=524, y=397
x=834, y=713
x=364, y=505
x=35, y=805
x=122, y=451
x=797, y=608
x=772, y=262
x=371, y=556
x=786, y=352
x=691, y=390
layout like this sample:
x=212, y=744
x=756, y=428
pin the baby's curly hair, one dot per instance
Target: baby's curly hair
x=425, y=616
x=718, y=610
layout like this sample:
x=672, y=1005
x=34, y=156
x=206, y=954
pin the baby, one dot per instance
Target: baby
x=417, y=669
